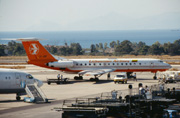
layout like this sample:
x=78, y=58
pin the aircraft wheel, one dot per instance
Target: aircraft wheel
x=80, y=78
x=76, y=77
x=122, y=82
x=154, y=77
x=125, y=82
x=115, y=82
x=18, y=98
x=91, y=79
x=49, y=83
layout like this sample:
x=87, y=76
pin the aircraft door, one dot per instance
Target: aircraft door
x=18, y=79
x=152, y=64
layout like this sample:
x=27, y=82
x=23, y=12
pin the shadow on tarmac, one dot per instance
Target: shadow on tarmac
x=9, y=101
x=144, y=79
x=94, y=82
x=81, y=81
x=102, y=81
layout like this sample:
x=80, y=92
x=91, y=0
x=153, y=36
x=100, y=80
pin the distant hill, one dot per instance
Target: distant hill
x=115, y=21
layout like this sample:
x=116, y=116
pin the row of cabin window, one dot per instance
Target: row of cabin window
x=107, y=64
x=7, y=77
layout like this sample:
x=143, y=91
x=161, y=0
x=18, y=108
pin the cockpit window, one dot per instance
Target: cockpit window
x=161, y=61
x=29, y=76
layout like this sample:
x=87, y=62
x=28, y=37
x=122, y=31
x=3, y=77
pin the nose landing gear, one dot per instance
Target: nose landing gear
x=155, y=77
x=18, y=97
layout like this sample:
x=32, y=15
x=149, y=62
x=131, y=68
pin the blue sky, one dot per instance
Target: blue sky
x=67, y=15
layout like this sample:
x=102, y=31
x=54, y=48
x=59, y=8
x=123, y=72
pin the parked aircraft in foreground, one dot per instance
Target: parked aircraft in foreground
x=39, y=56
x=11, y=81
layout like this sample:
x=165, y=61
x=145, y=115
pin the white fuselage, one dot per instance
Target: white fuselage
x=39, y=56
x=119, y=65
x=11, y=80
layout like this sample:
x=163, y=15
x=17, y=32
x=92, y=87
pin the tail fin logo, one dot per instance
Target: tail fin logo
x=33, y=49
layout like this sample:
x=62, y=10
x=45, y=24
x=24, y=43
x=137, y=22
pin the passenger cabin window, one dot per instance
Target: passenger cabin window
x=129, y=63
x=139, y=63
x=126, y=63
x=121, y=63
x=134, y=63
x=85, y=64
x=29, y=76
x=113, y=63
x=117, y=63
x=81, y=64
x=94, y=64
x=89, y=64
x=100, y=64
x=76, y=64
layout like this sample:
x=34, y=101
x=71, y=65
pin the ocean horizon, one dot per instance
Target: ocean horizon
x=86, y=38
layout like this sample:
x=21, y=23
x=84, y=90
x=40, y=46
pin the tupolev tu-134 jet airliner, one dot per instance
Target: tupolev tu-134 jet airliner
x=39, y=56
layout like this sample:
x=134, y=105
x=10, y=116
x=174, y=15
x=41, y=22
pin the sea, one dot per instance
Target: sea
x=86, y=38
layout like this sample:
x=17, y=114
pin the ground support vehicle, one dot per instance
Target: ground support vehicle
x=121, y=78
x=58, y=81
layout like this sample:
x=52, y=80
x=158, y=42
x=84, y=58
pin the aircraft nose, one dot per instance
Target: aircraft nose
x=39, y=83
x=168, y=65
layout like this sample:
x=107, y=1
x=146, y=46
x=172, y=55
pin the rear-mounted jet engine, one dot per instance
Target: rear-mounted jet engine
x=61, y=64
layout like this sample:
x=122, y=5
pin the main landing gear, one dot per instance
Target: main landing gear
x=95, y=78
x=18, y=97
x=78, y=77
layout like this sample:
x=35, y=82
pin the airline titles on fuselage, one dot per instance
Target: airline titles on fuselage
x=97, y=61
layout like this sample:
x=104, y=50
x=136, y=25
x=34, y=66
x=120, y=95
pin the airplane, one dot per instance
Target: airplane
x=39, y=56
x=11, y=81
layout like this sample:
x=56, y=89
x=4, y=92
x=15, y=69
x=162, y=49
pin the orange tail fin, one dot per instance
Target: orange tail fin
x=36, y=53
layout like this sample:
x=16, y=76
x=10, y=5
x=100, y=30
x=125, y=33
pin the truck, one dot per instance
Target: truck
x=121, y=78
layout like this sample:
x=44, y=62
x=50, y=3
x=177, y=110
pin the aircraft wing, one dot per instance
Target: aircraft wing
x=96, y=72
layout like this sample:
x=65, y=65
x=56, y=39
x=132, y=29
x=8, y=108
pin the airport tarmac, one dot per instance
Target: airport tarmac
x=10, y=108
